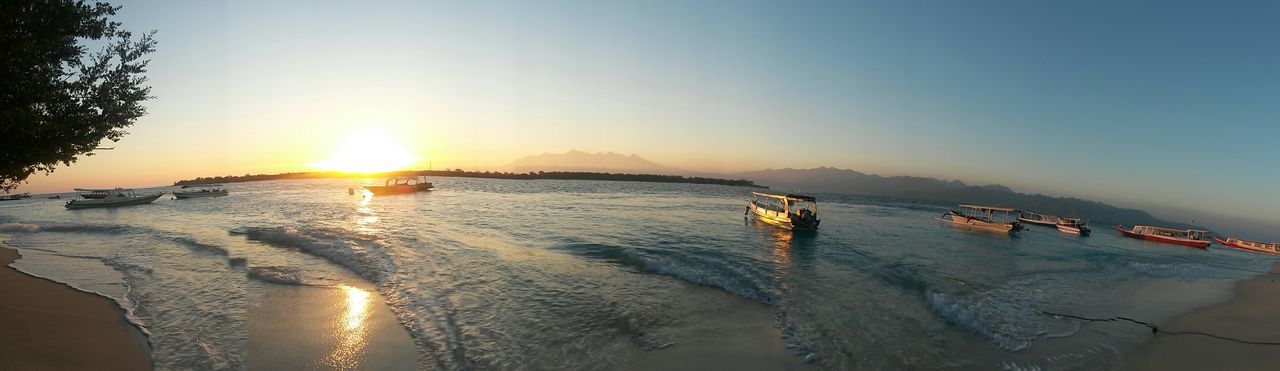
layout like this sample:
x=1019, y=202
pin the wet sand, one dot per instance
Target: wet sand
x=48, y=325
x=340, y=328
x=1253, y=314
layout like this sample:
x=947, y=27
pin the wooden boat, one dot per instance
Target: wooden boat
x=1184, y=237
x=987, y=218
x=200, y=190
x=1074, y=226
x=401, y=185
x=796, y=212
x=1031, y=218
x=1269, y=248
x=112, y=198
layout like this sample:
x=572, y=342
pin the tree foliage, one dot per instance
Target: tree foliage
x=58, y=101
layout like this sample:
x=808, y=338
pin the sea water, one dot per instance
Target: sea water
x=556, y=274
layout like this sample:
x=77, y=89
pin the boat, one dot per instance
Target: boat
x=1074, y=226
x=1184, y=237
x=790, y=211
x=401, y=185
x=988, y=218
x=200, y=190
x=15, y=197
x=1032, y=218
x=112, y=198
x=1269, y=248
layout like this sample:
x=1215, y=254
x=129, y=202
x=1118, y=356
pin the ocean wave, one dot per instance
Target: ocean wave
x=1010, y=317
x=351, y=252
x=711, y=272
x=1185, y=271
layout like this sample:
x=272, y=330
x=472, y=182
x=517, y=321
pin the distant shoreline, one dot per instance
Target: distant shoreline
x=563, y=175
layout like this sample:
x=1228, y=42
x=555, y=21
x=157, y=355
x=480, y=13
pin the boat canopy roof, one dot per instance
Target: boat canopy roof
x=102, y=189
x=1171, y=229
x=788, y=196
x=202, y=186
x=992, y=208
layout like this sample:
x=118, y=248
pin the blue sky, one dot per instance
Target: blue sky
x=1166, y=104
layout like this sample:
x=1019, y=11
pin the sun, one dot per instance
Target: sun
x=368, y=150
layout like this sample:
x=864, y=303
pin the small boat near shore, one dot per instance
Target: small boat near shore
x=1269, y=248
x=201, y=190
x=1074, y=226
x=1185, y=237
x=987, y=218
x=792, y=211
x=15, y=197
x=401, y=185
x=1032, y=218
x=111, y=198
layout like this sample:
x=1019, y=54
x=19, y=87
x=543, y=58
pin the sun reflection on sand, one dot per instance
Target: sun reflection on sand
x=351, y=329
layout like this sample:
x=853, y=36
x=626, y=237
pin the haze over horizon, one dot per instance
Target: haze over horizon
x=1137, y=104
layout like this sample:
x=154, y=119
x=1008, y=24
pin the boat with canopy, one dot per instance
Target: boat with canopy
x=987, y=218
x=401, y=185
x=791, y=211
x=1269, y=248
x=201, y=190
x=1184, y=237
x=110, y=198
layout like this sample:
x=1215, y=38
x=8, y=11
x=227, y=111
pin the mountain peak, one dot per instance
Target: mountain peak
x=576, y=160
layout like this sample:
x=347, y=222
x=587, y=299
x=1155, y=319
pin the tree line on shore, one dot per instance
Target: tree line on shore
x=563, y=175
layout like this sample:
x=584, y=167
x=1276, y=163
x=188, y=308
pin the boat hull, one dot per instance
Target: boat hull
x=398, y=189
x=1076, y=230
x=970, y=223
x=1175, y=241
x=89, y=204
x=184, y=195
x=1041, y=223
x=778, y=219
x=1245, y=248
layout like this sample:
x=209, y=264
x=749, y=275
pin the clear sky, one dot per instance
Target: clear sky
x=1173, y=104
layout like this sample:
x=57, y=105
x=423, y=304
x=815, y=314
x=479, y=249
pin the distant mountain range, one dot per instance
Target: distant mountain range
x=579, y=161
x=832, y=180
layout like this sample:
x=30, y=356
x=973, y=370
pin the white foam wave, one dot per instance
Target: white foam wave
x=19, y=227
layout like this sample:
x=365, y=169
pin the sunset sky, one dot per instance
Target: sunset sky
x=1165, y=103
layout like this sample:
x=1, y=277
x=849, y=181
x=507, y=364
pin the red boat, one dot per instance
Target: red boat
x=1184, y=237
x=1250, y=246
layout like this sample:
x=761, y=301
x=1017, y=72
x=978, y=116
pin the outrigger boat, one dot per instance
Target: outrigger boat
x=984, y=218
x=200, y=190
x=111, y=198
x=1269, y=248
x=796, y=212
x=1184, y=237
x=1042, y=220
x=401, y=185
x=1074, y=226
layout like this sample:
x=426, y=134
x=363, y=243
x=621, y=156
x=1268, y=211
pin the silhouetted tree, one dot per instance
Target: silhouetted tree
x=58, y=101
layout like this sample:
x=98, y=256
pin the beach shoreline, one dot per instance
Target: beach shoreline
x=1250, y=315
x=49, y=325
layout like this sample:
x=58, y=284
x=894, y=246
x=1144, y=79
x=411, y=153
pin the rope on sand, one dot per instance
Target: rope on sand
x=1158, y=331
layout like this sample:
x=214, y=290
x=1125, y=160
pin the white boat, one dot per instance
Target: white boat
x=789, y=211
x=200, y=190
x=401, y=185
x=987, y=218
x=1075, y=226
x=1032, y=218
x=111, y=198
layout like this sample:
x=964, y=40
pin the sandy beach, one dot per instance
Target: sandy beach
x=1250, y=315
x=47, y=325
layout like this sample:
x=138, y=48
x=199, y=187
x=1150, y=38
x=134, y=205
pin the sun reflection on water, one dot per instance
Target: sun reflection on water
x=351, y=329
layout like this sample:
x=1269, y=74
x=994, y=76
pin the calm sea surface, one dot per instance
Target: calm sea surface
x=569, y=274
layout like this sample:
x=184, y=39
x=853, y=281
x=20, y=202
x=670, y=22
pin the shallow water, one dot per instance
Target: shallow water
x=560, y=274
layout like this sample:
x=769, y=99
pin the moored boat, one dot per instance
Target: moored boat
x=796, y=212
x=1269, y=248
x=112, y=198
x=1074, y=226
x=201, y=190
x=401, y=185
x=15, y=197
x=1032, y=218
x=987, y=218
x=1184, y=237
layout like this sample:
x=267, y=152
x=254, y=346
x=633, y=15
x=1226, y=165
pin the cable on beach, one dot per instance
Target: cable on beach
x=1156, y=330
